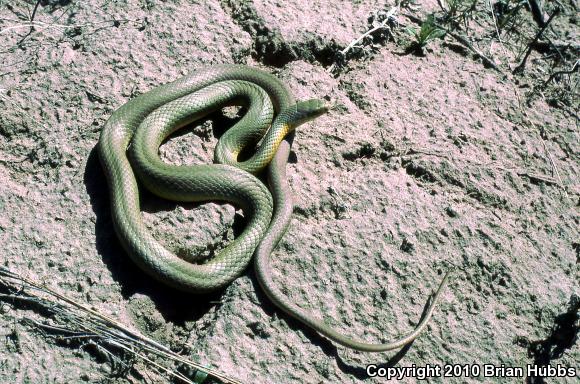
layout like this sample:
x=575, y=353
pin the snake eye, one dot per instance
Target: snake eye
x=312, y=107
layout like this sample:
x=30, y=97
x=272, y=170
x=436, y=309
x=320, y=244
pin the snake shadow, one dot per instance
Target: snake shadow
x=328, y=347
x=175, y=306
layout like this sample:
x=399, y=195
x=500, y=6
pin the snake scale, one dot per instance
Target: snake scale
x=128, y=148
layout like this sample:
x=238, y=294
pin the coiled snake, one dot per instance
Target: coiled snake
x=137, y=129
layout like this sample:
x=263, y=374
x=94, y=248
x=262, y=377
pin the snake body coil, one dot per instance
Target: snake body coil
x=144, y=122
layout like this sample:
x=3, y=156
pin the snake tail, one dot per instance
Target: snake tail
x=282, y=215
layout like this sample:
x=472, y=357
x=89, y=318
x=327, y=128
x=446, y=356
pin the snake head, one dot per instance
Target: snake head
x=304, y=111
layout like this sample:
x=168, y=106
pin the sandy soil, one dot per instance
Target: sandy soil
x=425, y=163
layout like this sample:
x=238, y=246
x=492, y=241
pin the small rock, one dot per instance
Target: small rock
x=407, y=246
x=451, y=212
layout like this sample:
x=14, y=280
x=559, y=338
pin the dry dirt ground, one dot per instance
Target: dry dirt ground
x=426, y=162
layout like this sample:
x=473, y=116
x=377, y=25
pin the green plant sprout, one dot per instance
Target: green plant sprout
x=428, y=31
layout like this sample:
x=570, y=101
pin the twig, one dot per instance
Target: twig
x=31, y=20
x=558, y=73
x=535, y=177
x=145, y=358
x=352, y=44
x=44, y=26
x=105, y=329
x=54, y=328
x=554, y=168
x=537, y=12
x=64, y=26
x=34, y=13
x=520, y=68
x=478, y=53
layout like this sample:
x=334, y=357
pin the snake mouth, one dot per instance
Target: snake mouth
x=307, y=110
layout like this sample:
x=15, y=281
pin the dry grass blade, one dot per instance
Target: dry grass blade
x=521, y=66
x=79, y=322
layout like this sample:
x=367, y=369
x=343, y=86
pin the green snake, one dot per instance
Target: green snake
x=128, y=148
